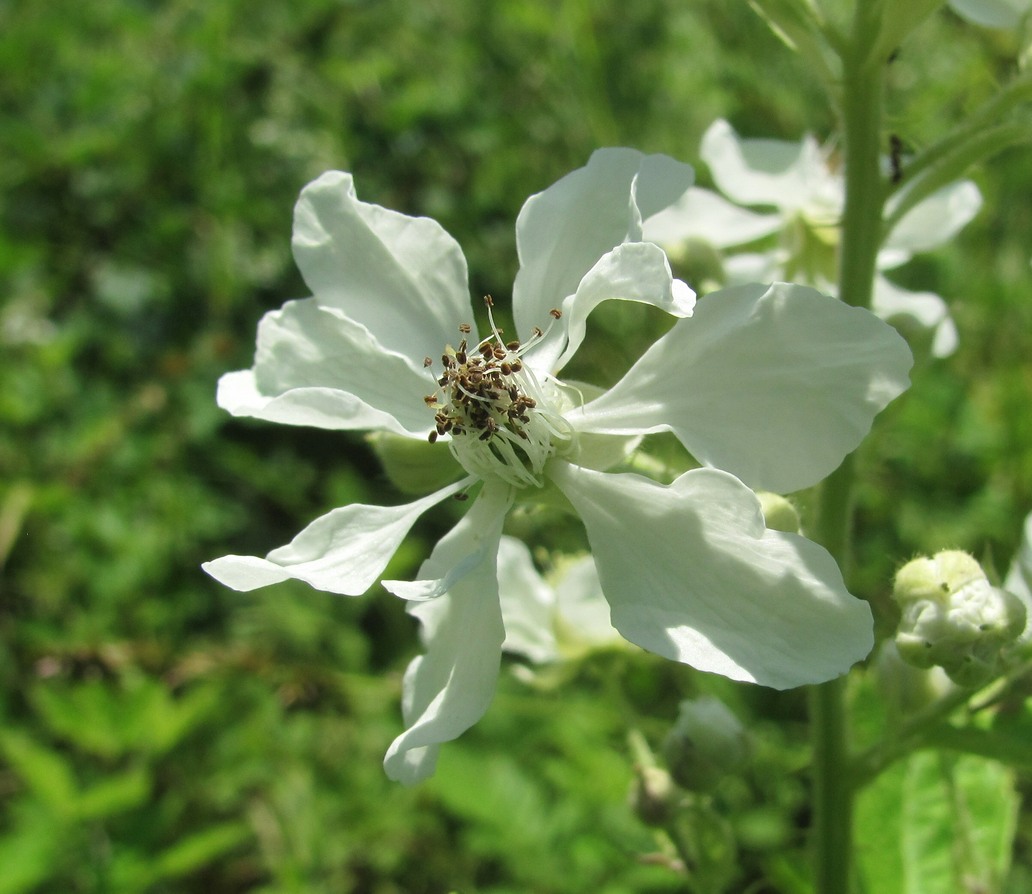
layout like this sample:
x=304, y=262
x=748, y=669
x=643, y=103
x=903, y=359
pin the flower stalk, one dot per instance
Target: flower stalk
x=861, y=112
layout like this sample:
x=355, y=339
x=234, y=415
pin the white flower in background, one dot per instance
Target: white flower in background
x=992, y=13
x=1019, y=577
x=563, y=617
x=772, y=385
x=803, y=182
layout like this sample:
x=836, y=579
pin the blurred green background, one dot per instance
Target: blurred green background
x=159, y=733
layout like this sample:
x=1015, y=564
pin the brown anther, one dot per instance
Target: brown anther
x=537, y=332
x=506, y=369
x=513, y=345
x=488, y=301
x=500, y=353
x=460, y=356
x=447, y=361
x=465, y=328
x=430, y=399
x=487, y=350
x=432, y=437
x=462, y=496
x=555, y=313
x=427, y=363
x=516, y=365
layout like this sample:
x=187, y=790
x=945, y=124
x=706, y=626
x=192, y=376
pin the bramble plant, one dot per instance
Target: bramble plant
x=764, y=386
x=707, y=597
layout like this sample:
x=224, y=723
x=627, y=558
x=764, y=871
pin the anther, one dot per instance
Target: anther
x=555, y=313
x=465, y=328
x=488, y=301
x=427, y=363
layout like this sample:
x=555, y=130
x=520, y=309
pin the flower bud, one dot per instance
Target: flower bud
x=699, y=262
x=954, y=618
x=412, y=465
x=706, y=743
x=778, y=513
x=654, y=796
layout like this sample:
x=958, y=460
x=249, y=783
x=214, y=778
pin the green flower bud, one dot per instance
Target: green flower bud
x=954, y=618
x=413, y=465
x=654, y=796
x=779, y=513
x=700, y=263
x=706, y=743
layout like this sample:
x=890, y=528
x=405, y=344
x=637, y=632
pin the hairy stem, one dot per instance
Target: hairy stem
x=861, y=235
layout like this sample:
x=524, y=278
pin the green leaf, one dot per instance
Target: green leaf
x=27, y=853
x=114, y=794
x=195, y=851
x=45, y=772
x=933, y=823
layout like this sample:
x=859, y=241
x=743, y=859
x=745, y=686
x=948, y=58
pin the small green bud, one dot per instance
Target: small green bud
x=954, y=618
x=414, y=466
x=779, y=513
x=706, y=743
x=654, y=796
x=700, y=263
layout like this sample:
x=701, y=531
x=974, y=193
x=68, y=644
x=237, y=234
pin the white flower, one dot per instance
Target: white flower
x=1019, y=577
x=774, y=385
x=549, y=620
x=804, y=183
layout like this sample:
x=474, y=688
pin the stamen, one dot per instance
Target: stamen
x=498, y=416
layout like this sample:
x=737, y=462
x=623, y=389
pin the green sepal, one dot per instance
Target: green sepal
x=415, y=466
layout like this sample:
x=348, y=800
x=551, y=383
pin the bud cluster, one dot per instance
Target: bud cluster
x=953, y=618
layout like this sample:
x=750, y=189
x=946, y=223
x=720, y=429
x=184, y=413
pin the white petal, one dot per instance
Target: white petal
x=793, y=177
x=703, y=215
x=755, y=267
x=1019, y=577
x=528, y=604
x=922, y=310
x=403, y=278
x=992, y=13
x=931, y=222
x=693, y=575
x=583, y=612
x=344, y=551
x=562, y=232
x=775, y=385
x=314, y=366
x=637, y=271
x=449, y=688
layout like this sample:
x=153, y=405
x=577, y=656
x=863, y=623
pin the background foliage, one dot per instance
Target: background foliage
x=159, y=733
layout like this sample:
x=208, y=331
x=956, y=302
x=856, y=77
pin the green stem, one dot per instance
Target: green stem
x=862, y=89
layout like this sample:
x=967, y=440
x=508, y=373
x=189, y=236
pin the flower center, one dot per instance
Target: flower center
x=502, y=421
